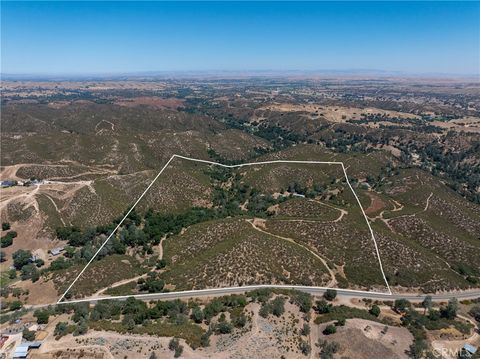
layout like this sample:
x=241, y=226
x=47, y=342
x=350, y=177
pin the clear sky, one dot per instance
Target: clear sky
x=113, y=37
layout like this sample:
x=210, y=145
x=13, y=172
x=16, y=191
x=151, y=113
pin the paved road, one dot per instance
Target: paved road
x=348, y=293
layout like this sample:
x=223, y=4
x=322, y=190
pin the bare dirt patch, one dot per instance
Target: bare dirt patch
x=466, y=124
x=157, y=102
x=364, y=339
x=376, y=203
x=336, y=113
x=40, y=292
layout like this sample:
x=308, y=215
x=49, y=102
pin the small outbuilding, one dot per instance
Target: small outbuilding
x=8, y=183
x=468, y=351
x=56, y=251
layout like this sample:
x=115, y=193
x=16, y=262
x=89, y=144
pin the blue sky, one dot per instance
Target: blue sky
x=113, y=37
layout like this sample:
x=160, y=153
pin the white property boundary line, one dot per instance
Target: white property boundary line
x=234, y=166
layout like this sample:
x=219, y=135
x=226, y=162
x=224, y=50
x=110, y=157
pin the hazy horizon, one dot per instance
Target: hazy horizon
x=226, y=74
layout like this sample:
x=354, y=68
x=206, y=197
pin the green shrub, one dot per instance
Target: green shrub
x=278, y=306
x=302, y=300
x=197, y=315
x=327, y=349
x=28, y=335
x=305, y=329
x=61, y=329
x=239, y=321
x=260, y=295
x=12, y=273
x=264, y=310
x=475, y=312
x=15, y=305
x=224, y=328
x=322, y=307
x=329, y=329
x=330, y=294
x=162, y=263
x=305, y=348
x=401, y=305
x=205, y=340
x=174, y=345
x=42, y=316
x=7, y=239
x=81, y=328
x=375, y=310
x=21, y=258
x=450, y=311
x=6, y=242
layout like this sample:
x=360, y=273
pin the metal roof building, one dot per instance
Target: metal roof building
x=470, y=348
x=56, y=251
x=21, y=351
